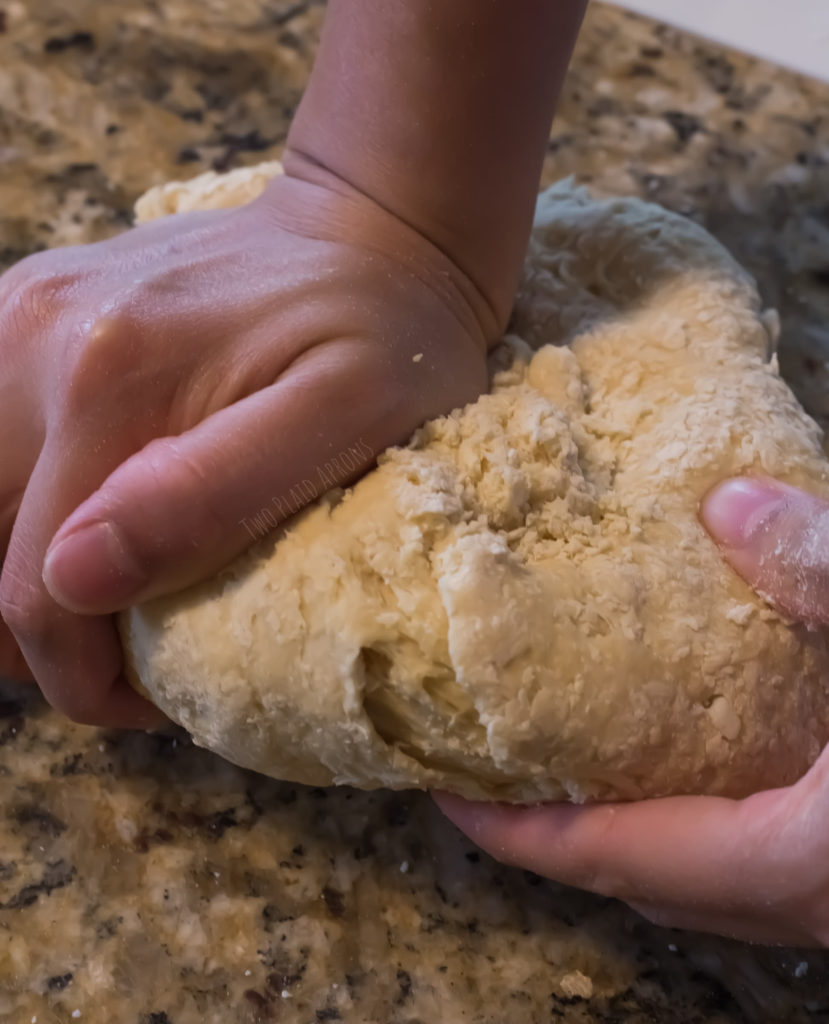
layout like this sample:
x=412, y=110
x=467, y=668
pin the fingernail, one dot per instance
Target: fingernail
x=92, y=567
x=735, y=510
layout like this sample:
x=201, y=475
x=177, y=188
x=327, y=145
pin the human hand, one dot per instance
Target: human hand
x=753, y=869
x=170, y=394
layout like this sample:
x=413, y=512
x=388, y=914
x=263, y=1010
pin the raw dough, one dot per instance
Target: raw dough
x=522, y=604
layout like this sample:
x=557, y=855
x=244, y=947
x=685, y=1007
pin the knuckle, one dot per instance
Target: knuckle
x=74, y=704
x=596, y=877
x=170, y=469
x=20, y=275
x=34, y=291
x=178, y=483
x=595, y=845
x=103, y=356
x=194, y=488
x=12, y=663
x=22, y=310
x=175, y=471
x=22, y=607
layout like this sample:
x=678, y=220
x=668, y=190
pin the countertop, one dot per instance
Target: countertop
x=799, y=40
x=145, y=881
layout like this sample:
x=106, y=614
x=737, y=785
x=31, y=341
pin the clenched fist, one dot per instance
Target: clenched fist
x=168, y=394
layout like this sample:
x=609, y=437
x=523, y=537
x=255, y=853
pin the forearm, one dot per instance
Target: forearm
x=439, y=110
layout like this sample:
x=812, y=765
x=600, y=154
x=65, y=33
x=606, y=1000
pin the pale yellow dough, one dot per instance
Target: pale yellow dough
x=522, y=604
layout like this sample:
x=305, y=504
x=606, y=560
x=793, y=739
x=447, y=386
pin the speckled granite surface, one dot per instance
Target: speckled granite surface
x=146, y=882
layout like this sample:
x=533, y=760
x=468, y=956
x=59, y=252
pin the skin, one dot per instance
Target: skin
x=129, y=446
x=160, y=389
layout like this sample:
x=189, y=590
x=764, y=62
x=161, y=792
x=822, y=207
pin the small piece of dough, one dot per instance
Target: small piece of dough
x=521, y=604
x=210, y=191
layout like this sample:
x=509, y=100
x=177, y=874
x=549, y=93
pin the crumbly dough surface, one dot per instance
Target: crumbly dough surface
x=521, y=603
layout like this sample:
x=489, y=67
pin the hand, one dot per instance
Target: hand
x=196, y=375
x=754, y=869
x=168, y=395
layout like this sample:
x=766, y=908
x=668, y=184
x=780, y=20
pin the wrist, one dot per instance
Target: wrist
x=440, y=114
x=312, y=201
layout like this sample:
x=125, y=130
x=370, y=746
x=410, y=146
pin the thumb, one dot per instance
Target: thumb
x=181, y=507
x=777, y=538
x=738, y=868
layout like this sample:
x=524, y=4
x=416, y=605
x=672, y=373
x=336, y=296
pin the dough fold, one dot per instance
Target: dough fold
x=521, y=604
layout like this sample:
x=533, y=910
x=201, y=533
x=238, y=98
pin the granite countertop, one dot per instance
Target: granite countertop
x=145, y=881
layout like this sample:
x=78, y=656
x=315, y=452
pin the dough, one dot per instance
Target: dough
x=521, y=604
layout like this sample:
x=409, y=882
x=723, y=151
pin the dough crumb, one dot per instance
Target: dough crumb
x=576, y=984
x=740, y=613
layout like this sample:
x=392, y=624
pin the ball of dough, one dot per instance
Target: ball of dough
x=521, y=604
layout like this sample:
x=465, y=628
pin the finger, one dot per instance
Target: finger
x=181, y=508
x=704, y=863
x=21, y=439
x=12, y=663
x=777, y=538
x=75, y=660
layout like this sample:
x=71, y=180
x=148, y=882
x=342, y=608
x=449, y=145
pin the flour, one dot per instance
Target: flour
x=521, y=604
